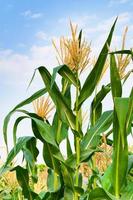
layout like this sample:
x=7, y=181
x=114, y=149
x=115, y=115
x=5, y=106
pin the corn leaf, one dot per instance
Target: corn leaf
x=67, y=115
x=103, y=123
x=116, y=87
x=14, y=151
x=53, y=181
x=96, y=105
x=95, y=74
x=84, y=155
x=127, y=192
x=50, y=153
x=66, y=73
x=23, y=103
x=67, y=177
x=120, y=151
x=69, y=149
x=98, y=194
x=23, y=180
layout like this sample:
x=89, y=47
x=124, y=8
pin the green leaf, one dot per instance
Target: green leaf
x=60, y=129
x=31, y=146
x=96, y=105
x=120, y=150
x=80, y=37
x=129, y=52
x=67, y=115
x=103, y=123
x=49, y=154
x=45, y=130
x=23, y=180
x=98, y=194
x=69, y=149
x=115, y=78
x=67, y=177
x=20, y=144
x=95, y=74
x=106, y=184
x=127, y=193
x=129, y=118
x=68, y=194
x=84, y=155
x=66, y=73
x=18, y=120
x=23, y=103
x=36, y=131
x=53, y=181
x=130, y=163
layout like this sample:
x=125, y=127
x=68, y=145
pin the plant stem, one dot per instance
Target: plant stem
x=94, y=121
x=77, y=143
x=58, y=130
x=55, y=181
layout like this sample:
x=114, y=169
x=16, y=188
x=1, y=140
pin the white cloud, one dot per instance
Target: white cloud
x=115, y=2
x=33, y=15
x=18, y=68
x=41, y=35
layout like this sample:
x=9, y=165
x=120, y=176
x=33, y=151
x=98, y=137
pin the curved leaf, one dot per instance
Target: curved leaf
x=66, y=73
x=14, y=151
x=23, y=180
x=23, y=103
x=67, y=115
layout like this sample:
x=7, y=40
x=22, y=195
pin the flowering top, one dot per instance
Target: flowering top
x=74, y=52
x=43, y=107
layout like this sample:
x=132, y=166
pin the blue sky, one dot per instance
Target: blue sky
x=28, y=26
x=21, y=20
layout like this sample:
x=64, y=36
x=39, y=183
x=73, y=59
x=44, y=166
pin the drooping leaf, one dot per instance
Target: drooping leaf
x=18, y=120
x=31, y=145
x=66, y=73
x=45, y=130
x=19, y=145
x=67, y=115
x=23, y=103
x=23, y=180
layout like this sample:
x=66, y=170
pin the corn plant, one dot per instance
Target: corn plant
x=65, y=181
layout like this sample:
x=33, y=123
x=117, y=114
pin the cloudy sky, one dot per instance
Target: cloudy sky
x=27, y=28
